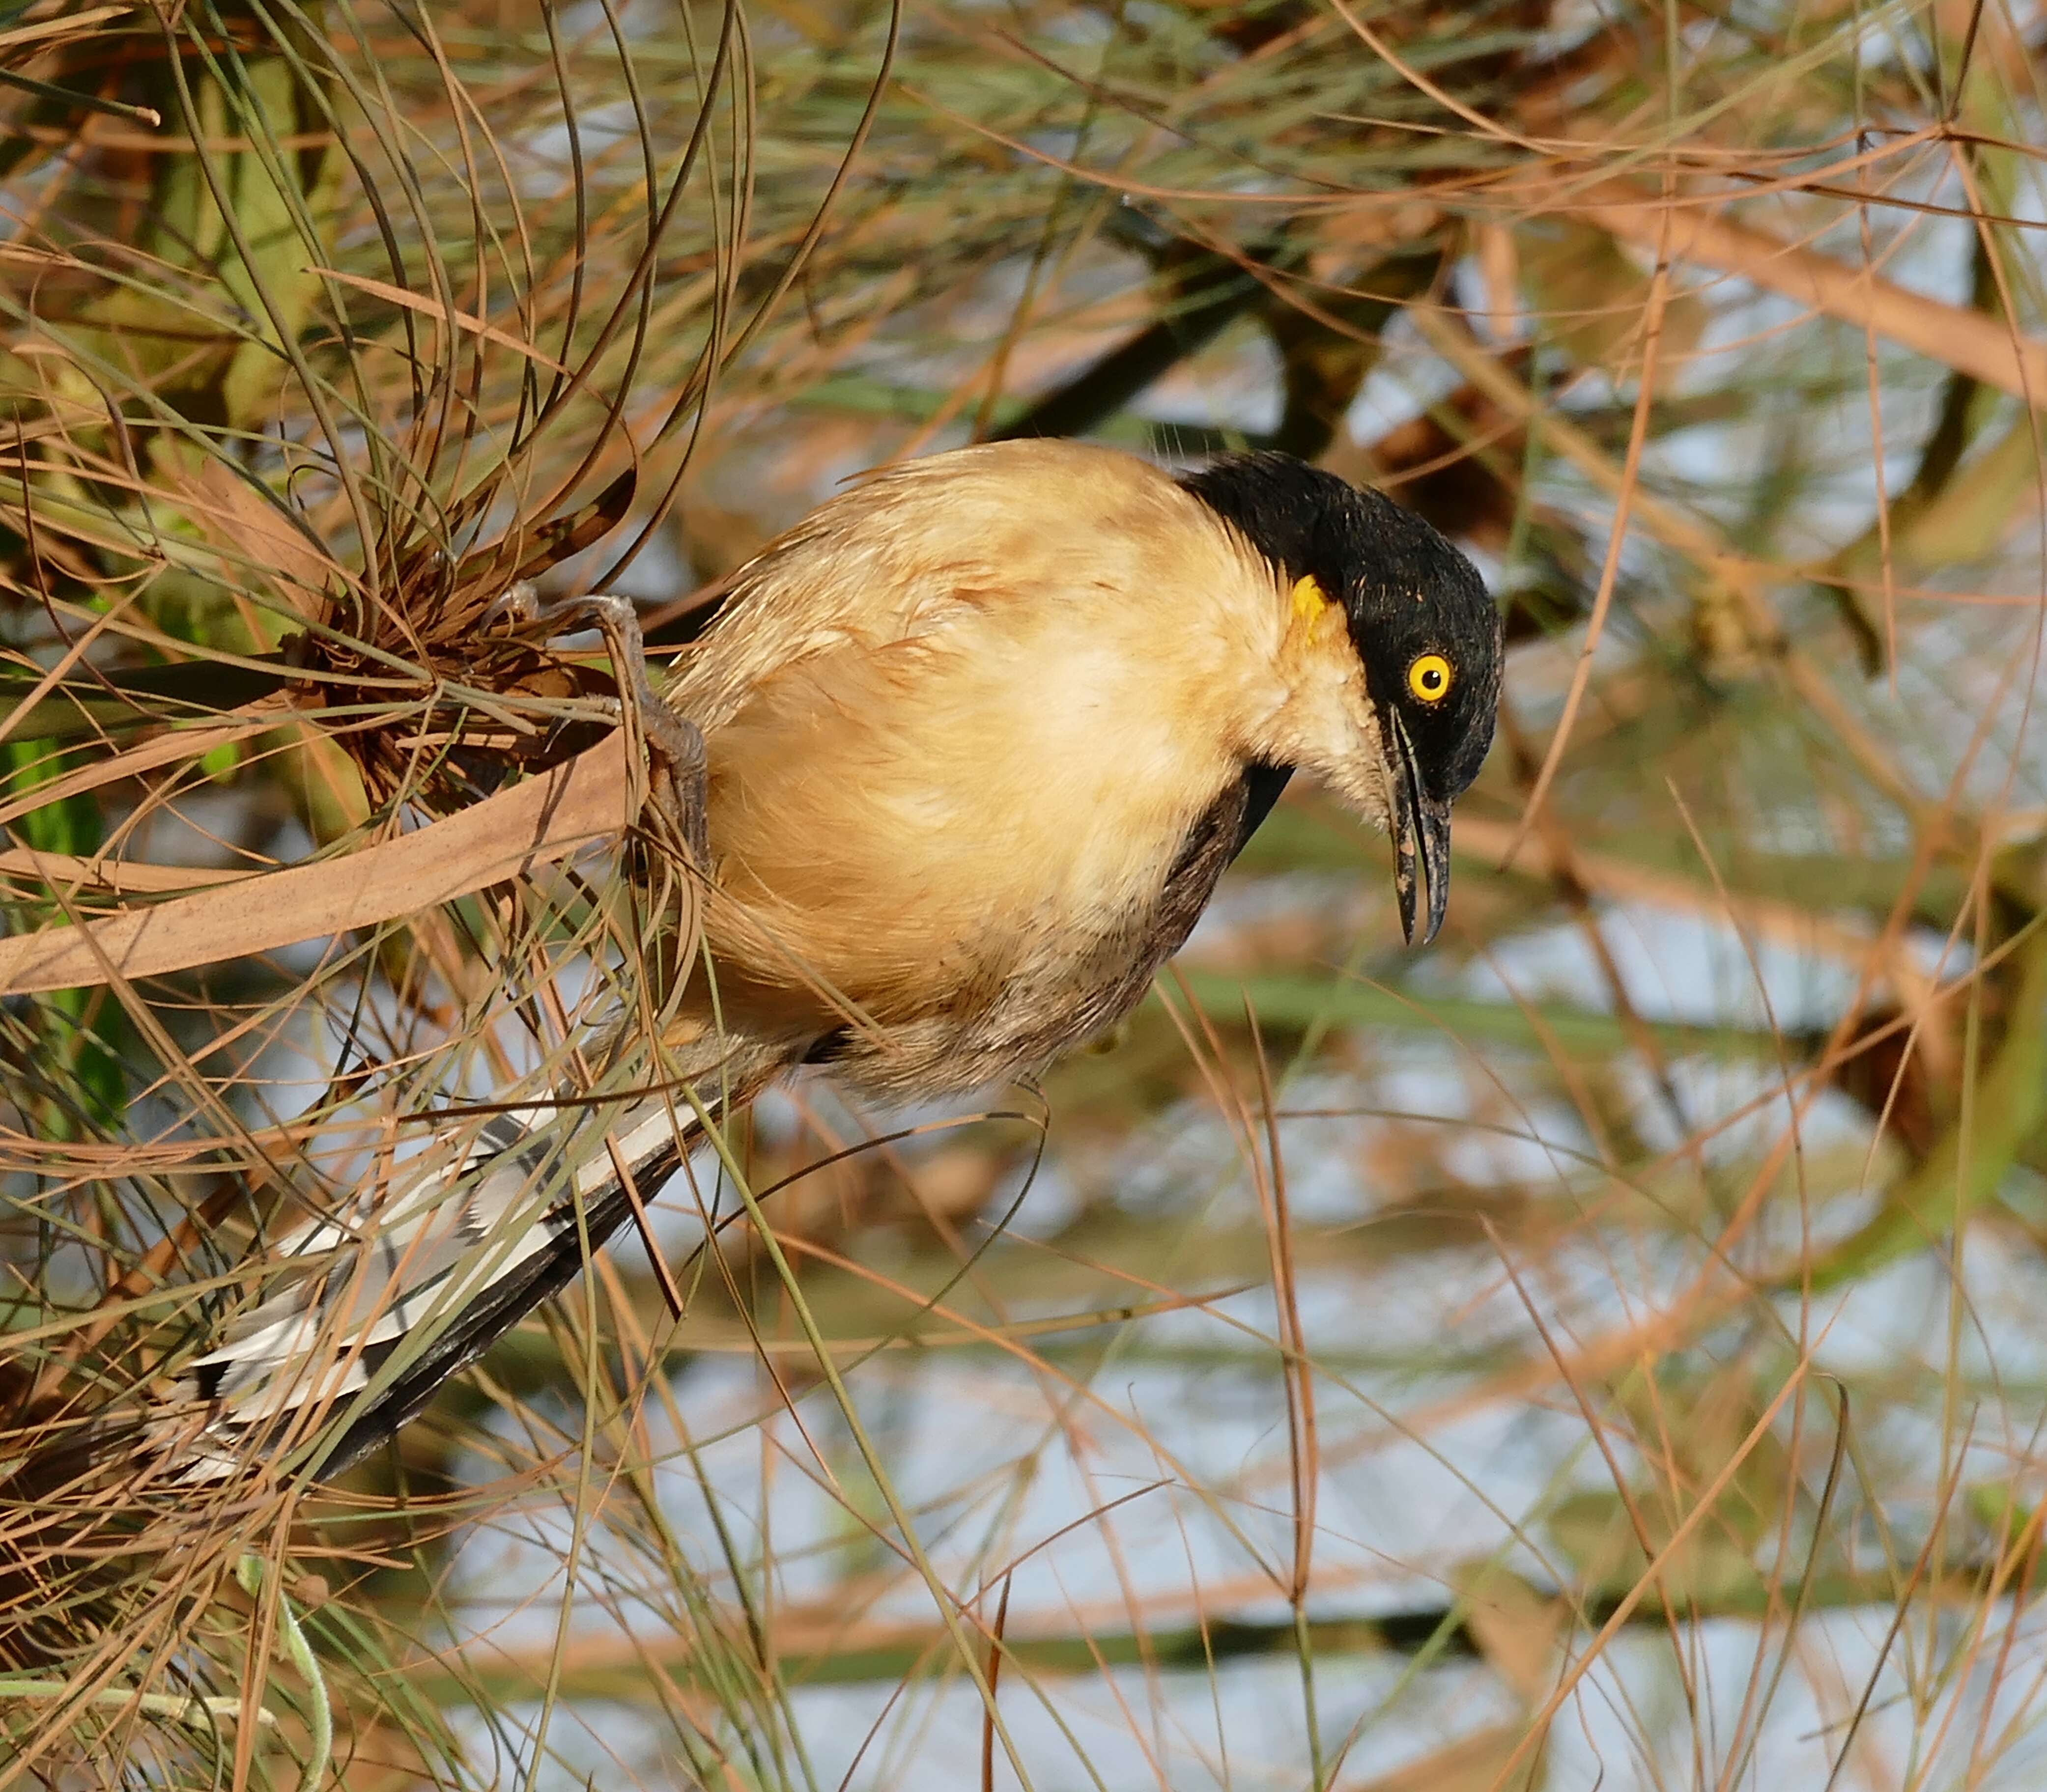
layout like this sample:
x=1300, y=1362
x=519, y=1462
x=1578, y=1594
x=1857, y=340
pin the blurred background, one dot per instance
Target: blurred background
x=1604, y=1350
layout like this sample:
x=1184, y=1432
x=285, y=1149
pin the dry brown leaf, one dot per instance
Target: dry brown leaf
x=71, y=27
x=1471, y=1764
x=443, y=314
x=534, y=823
x=70, y=872
x=1517, y=1630
x=237, y=518
x=186, y=744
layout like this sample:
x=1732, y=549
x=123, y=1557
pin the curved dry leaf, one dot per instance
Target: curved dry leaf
x=178, y=746
x=464, y=321
x=76, y=875
x=505, y=835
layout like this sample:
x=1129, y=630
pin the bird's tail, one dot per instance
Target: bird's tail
x=370, y=1309
x=377, y=1310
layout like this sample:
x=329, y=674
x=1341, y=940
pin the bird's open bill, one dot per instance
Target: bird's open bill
x=1421, y=827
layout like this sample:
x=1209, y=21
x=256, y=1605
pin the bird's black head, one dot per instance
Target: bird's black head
x=1425, y=629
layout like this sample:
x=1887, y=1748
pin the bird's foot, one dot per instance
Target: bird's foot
x=674, y=744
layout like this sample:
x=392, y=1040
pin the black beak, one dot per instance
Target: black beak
x=1421, y=828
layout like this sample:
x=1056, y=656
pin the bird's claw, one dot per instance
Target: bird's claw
x=519, y=607
x=677, y=785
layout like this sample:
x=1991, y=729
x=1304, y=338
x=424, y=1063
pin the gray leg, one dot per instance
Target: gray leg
x=674, y=743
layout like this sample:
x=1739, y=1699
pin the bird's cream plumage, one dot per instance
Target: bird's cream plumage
x=916, y=695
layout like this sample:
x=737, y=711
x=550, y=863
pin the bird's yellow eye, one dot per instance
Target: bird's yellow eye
x=1430, y=677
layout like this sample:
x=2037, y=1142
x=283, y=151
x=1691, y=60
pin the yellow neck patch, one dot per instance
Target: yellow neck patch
x=1310, y=599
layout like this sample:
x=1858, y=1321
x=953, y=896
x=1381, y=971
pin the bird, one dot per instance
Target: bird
x=969, y=747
